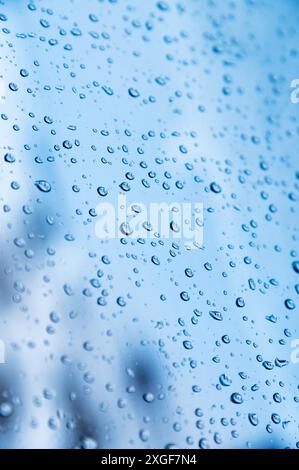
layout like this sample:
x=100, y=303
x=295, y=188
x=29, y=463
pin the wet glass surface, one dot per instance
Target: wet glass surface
x=142, y=339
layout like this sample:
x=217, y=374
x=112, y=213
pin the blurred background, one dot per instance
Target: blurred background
x=143, y=343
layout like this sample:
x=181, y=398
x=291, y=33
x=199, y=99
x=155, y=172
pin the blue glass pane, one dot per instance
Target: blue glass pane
x=149, y=224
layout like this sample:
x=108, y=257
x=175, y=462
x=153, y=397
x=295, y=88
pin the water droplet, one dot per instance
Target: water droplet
x=133, y=92
x=215, y=187
x=6, y=410
x=43, y=185
x=216, y=315
x=236, y=398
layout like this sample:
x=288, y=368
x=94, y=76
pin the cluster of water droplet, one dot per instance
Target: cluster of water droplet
x=140, y=342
